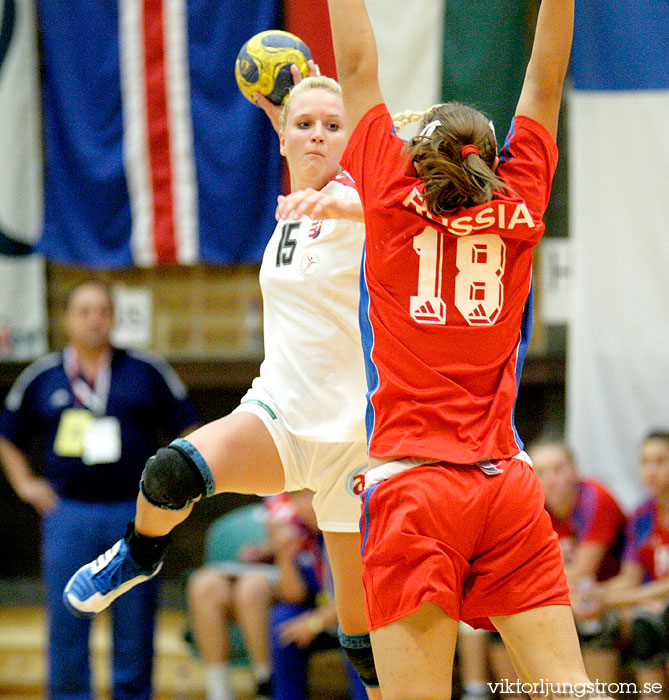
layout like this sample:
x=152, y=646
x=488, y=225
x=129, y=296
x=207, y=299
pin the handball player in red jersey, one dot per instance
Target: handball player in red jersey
x=453, y=524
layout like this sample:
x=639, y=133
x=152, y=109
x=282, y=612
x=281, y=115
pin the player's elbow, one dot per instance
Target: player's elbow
x=545, y=87
x=357, y=61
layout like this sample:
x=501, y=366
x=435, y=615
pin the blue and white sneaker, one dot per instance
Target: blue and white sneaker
x=97, y=584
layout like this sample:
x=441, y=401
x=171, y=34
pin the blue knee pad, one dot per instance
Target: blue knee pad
x=176, y=476
x=358, y=649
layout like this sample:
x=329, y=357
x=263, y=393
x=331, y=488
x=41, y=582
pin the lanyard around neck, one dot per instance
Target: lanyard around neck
x=95, y=397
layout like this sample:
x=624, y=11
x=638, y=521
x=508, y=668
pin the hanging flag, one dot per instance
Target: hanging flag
x=23, y=300
x=410, y=39
x=485, y=55
x=618, y=363
x=410, y=78
x=153, y=155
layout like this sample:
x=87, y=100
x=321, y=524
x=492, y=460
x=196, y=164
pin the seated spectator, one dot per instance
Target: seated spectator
x=641, y=590
x=305, y=619
x=244, y=593
x=282, y=606
x=590, y=526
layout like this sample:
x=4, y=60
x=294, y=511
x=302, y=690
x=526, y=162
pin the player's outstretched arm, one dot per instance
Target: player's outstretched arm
x=542, y=90
x=317, y=205
x=356, y=57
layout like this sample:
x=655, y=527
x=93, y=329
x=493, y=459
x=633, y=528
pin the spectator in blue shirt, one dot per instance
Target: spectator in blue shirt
x=97, y=412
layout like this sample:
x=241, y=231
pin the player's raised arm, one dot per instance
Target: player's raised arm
x=542, y=89
x=356, y=57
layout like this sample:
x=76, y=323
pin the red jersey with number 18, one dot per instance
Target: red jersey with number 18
x=445, y=307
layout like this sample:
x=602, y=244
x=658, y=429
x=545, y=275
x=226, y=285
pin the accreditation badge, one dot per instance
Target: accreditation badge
x=73, y=424
x=102, y=441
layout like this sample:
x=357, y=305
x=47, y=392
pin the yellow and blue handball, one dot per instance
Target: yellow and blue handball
x=263, y=64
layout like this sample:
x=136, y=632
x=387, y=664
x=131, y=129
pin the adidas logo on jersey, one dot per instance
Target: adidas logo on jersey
x=479, y=316
x=428, y=310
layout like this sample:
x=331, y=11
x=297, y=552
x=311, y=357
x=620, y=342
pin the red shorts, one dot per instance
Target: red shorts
x=477, y=545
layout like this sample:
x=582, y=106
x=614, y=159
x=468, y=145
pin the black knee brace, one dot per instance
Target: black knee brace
x=176, y=476
x=358, y=649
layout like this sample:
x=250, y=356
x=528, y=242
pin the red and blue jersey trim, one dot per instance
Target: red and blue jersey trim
x=367, y=336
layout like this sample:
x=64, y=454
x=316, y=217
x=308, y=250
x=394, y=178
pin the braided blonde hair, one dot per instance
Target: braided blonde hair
x=408, y=116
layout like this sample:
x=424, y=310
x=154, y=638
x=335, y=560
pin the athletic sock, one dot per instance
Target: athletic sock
x=217, y=682
x=261, y=675
x=475, y=690
x=146, y=551
x=261, y=672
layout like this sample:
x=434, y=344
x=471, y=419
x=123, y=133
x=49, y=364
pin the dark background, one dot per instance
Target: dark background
x=216, y=388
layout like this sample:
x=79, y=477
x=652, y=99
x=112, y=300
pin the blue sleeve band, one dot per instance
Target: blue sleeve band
x=200, y=463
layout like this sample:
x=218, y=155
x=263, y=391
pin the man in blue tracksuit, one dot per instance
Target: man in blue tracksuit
x=97, y=413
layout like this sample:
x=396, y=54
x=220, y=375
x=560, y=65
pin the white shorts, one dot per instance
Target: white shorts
x=334, y=471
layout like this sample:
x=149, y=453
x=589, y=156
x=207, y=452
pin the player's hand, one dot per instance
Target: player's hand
x=285, y=539
x=38, y=493
x=273, y=111
x=587, y=601
x=301, y=630
x=314, y=70
x=316, y=205
x=255, y=554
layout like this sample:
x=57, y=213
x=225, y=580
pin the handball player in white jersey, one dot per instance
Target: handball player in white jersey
x=301, y=425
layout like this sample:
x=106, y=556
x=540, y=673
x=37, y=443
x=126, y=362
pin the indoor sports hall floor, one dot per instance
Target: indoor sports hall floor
x=177, y=674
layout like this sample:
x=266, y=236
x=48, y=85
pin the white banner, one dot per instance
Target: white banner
x=618, y=351
x=22, y=302
x=409, y=37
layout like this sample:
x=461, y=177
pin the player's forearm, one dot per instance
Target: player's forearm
x=353, y=41
x=351, y=210
x=290, y=586
x=322, y=618
x=585, y=564
x=620, y=597
x=552, y=46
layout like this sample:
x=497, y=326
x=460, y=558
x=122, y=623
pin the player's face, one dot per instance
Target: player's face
x=314, y=138
x=655, y=466
x=557, y=474
x=89, y=317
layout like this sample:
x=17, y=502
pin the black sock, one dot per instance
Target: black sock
x=146, y=551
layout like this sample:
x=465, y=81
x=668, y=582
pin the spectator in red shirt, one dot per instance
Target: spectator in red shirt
x=641, y=590
x=590, y=526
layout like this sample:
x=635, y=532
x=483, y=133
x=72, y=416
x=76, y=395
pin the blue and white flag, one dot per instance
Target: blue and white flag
x=22, y=298
x=153, y=155
x=618, y=350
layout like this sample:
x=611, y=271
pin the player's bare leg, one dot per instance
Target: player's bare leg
x=242, y=458
x=233, y=454
x=544, y=649
x=346, y=564
x=414, y=655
